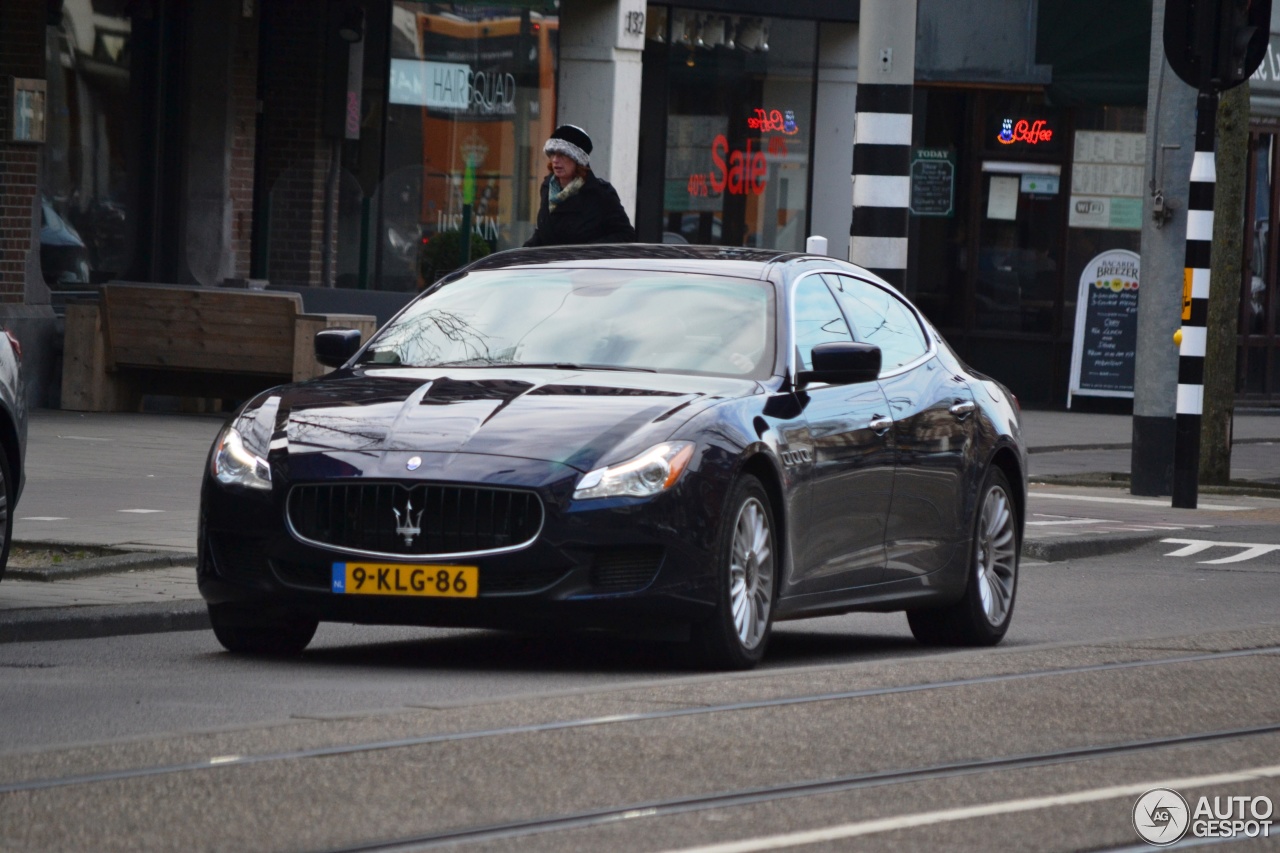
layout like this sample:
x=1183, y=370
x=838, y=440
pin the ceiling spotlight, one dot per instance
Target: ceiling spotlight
x=753, y=35
x=682, y=28
x=351, y=23
x=713, y=31
x=655, y=26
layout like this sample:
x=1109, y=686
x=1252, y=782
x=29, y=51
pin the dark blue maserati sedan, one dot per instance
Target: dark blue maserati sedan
x=688, y=440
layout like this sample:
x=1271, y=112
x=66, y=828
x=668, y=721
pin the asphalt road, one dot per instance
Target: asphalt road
x=1155, y=667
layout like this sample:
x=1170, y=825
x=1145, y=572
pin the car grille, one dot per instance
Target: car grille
x=375, y=518
x=625, y=570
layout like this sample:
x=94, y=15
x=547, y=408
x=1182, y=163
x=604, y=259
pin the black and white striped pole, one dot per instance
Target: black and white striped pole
x=882, y=139
x=1192, y=336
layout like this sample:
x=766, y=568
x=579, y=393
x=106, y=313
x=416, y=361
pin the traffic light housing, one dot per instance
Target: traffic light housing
x=1216, y=44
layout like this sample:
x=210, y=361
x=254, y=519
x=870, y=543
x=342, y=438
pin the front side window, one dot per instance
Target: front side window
x=882, y=319
x=648, y=321
x=817, y=319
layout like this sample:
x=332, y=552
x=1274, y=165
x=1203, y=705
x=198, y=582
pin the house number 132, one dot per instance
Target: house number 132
x=635, y=23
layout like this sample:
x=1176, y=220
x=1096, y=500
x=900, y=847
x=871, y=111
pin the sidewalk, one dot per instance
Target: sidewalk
x=129, y=485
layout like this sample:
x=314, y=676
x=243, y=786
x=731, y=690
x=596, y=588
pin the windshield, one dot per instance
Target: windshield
x=608, y=319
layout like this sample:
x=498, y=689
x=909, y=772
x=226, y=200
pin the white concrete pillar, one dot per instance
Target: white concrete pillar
x=601, y=46
x=830, y=214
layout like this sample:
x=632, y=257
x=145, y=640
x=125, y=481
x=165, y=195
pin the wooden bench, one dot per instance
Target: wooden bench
x=201, y=342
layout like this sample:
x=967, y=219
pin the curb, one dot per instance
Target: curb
x=1076, y=548
x=1241, y=488
x=108, y=565
x=107, y=620
x=1102, y=445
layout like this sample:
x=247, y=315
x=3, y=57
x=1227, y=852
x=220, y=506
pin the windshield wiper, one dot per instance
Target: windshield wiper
x=566, y=365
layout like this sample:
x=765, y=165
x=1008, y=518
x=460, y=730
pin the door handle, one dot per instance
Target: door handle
x=963, y=409
x=880, y=424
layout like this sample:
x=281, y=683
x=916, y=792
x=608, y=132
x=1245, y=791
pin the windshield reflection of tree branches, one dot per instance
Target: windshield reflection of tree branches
x=584, y=318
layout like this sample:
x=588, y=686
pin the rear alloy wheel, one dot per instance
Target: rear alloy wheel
x=736, y=635
x=6, y=511
x=982, y=615
x=246, y=631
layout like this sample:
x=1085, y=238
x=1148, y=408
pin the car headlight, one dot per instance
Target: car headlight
x=234, y=464
x=654, y=471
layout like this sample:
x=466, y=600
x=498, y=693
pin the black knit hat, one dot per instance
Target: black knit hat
x=572, y=142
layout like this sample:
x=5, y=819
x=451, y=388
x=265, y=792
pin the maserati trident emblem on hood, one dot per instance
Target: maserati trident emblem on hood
x=408, y=525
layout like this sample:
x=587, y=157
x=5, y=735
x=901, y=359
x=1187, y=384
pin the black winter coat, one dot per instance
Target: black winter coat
x=593, y=214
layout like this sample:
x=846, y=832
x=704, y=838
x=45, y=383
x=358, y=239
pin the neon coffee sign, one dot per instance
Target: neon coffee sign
x=1029, y=132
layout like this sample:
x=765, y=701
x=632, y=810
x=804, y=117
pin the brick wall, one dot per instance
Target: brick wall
x=21, y=55
x=297, y=156
x=244, y=107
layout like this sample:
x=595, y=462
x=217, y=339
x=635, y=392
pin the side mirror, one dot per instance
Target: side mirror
x=335, y=346
x=842, y=363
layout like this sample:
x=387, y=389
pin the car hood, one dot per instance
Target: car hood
x=574, y=418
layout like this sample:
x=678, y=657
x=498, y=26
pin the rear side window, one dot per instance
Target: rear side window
x=880, y=318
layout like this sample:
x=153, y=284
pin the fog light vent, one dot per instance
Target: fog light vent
x=238, y=556
x=625, y=570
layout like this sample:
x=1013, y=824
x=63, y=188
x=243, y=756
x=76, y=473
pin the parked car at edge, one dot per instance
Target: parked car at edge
x=703, y=440
x=13, y=438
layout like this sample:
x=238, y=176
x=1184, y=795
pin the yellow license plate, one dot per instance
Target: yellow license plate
x=405, y=579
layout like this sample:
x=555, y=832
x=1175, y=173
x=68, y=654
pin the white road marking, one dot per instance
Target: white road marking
x=1249, y=550
x=43, y=518
x=84, y=438
x=1133, y=501
x=909, y=821
x=1071, y=521
x=140, y=510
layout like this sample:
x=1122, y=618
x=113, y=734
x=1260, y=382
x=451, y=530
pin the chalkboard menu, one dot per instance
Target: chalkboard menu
x=1106, y=334
x=933, y=181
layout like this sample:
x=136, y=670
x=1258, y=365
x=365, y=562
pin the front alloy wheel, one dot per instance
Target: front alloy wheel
x=736, y=636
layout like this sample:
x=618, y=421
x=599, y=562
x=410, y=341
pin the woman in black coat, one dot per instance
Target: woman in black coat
x=577, y=207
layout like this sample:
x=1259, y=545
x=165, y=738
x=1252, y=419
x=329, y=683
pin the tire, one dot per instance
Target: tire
x=746, y=574
x=243, y=631
x=7, y=486
x=982, y=615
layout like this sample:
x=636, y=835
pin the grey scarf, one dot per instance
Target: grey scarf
x=557, y=194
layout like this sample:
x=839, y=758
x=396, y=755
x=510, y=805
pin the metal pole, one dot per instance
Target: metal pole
x=1195, y=307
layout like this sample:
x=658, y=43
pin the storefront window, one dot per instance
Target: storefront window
x=1021, y=211
x=1258, y=361
x=941, y=254
x=471, y=100
x=739, y=129
x=86, y=213
x=1258, y=239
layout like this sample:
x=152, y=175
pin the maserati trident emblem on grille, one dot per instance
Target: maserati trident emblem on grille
x=408, y=525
